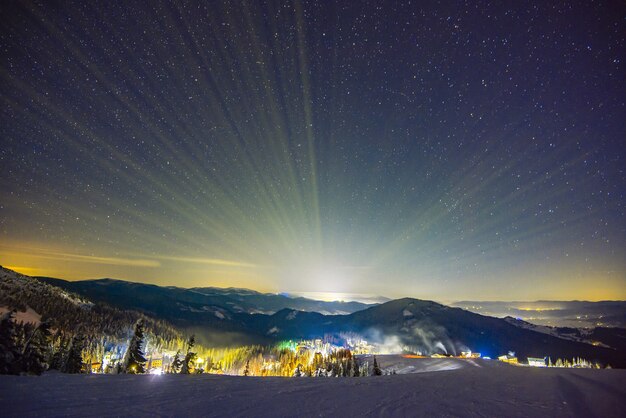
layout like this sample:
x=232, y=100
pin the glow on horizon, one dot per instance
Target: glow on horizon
x=173, y=271
x=339, y=297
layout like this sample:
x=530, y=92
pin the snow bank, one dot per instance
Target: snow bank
x=490, y=390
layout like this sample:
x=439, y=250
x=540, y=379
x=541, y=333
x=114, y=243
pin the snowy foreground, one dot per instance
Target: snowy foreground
x=430, y=387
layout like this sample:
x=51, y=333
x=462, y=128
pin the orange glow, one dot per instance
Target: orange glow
x=29, y=271
x=65, y=262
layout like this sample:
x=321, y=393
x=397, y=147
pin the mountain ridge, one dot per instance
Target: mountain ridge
x=405, y=324
x=234, y=299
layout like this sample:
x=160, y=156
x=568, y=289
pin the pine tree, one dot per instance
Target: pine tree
x=336, y=368
x=376, y=371
x=135, y=361
x=355, y=368
x=189, y=357
x=57, y=360
x=9, y=354
x=74, y=361
x=176, y=363
x=36, y=350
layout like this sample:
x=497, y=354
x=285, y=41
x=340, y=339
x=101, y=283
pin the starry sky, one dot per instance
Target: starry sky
x=441, y=150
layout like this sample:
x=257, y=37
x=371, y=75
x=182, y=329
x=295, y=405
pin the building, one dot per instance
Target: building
x=537, y=362
x=469, y=354
x=96, y=367
x=155, y=363
x=508, y=358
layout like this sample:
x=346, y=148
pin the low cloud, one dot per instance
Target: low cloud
x=415, y=336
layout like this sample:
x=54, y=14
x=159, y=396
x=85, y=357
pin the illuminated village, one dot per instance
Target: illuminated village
x=311, y=358
x=287, y=358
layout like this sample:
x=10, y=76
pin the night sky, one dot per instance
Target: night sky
x=441, y=150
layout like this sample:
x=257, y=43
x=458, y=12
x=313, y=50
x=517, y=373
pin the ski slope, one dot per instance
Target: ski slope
x=434, y=387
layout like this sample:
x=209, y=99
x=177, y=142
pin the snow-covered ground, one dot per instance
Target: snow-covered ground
x=437, y=387
x=28, y=315
x=401, y=365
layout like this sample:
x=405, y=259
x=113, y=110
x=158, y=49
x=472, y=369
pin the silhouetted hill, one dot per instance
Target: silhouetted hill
x=189, y=304
x=429, y=327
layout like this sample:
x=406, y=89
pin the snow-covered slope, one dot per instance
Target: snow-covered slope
x=27, y=316
x=67, y=312
x=488, y=389
x=14, y=285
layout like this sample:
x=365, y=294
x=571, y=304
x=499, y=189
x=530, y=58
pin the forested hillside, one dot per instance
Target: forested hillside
x=100, y=326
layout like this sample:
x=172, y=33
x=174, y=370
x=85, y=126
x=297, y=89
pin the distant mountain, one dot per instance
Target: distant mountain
x=555, y=313
x=192, y=304
x=403, y=324
x=601, y=336
x=254, y=302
